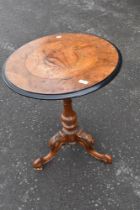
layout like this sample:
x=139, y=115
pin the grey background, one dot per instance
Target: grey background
x=73, y=180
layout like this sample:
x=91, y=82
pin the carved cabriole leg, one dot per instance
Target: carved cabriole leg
x=69, y=134
x=55, y=144
x=87, y=141
x=89, y=148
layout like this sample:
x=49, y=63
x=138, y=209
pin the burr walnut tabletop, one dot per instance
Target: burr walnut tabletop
x=62, y=66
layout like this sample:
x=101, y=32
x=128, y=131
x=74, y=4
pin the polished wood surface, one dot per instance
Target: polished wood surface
x=58, y=67
x=70, y=133
x=61, y=63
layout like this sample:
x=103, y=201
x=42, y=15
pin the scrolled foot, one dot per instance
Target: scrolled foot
x=38, y=164
x=99, y=156
x=107, y=159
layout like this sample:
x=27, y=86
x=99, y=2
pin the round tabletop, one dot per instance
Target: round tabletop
x=62, y=66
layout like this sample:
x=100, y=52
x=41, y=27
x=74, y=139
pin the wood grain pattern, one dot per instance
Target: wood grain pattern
x=61, y=63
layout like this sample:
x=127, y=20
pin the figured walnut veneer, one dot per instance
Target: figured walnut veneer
x=61, y=64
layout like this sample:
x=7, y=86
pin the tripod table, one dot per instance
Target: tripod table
x=63, y=66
